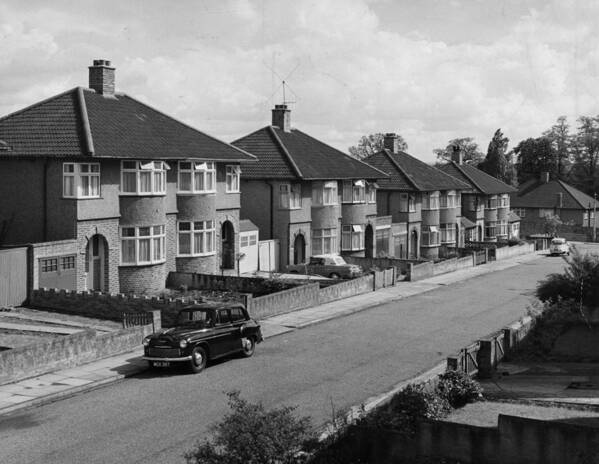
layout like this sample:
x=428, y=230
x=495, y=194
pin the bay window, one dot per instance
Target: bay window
x=81, y=180
x=354, y=191
x=196, y=177
x=407, y=203
x=233, y=173
x=490, y=229
x=429, y=236
x=325, y=193
x=430, y=200
x=352, y=237
x=503, y=228
x=290, y=196
x=143, y=177
x=504, y=201
x=491, y=202
x=143, y=245
x=324, y=241
x=195, y=238
x=448, y=200
x=447, y=233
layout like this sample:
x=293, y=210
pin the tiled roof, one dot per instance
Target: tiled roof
x=513, y=217
x=477, y=179
x=409, y=173
x=467, y=223
x=81, y=122
x=544, y=195
x=294, y=154
x=245, y=225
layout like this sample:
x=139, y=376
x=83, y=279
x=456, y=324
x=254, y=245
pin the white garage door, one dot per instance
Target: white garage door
x=248, y=246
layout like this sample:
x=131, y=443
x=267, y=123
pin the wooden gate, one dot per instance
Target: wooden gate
x=13, y=276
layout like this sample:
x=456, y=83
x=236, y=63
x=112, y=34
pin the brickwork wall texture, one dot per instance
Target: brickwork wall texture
x=109, y=230
x=143, y=280
x=171, y=242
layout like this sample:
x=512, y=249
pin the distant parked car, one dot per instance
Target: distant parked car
x=333, y=266
x=203, y=332
x=559, y=246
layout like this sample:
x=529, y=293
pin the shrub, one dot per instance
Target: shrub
x=407, y=407
x=458, y=388
x=250, y=434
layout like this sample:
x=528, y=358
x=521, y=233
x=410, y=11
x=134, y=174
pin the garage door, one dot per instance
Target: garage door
x=58, y=272
x=248, y=246
x=13, y=276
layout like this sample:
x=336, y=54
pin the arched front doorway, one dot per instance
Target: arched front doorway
x=368, y=241
x=96, y=254
x=227, y=245
x=414, y=245
x=299, y=249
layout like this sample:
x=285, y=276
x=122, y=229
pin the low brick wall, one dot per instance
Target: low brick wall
x=508, y=252
x=286, y=301
x=401, y=265
x=222, y=282
x=419, y=271
x=346, y=289
x=68, y=351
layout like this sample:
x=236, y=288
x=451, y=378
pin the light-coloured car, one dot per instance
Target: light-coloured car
x=333, y=266
x=559, y=246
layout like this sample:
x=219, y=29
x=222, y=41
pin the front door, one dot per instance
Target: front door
x=227, y=246
x=368, y=241
x=95, y=255
x=414, y=245
x=299, y=249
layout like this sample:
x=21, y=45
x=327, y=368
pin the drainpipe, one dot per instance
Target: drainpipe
x=45, y=200
x=272, y=211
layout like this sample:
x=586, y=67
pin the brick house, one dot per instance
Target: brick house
x=310, y=196
x=138, y=192
x=423, y=202
x=486, y=203
x=543, y=197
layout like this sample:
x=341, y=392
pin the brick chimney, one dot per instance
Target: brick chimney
x=544, y=177
x=101, y=77
x=281, y=117
x=391, y=142
x=457, y=155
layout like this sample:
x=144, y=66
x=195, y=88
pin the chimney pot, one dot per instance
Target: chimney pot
x=457, y=156
x=101, y=77
x=391, y=142
x=281, y=117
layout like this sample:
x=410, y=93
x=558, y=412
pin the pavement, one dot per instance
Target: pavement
x=60, y=384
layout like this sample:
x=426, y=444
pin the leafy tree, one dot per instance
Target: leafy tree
x=561, y=141
x=534, y=157
x=551, y=224
x=373, y=143
x=471, y=154
x=250, y=434
x=584, y=171
x=497, y=162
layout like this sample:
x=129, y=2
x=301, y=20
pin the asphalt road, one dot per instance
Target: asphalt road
x=154, y=418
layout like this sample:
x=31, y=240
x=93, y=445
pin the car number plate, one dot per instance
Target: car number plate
x=162, y=363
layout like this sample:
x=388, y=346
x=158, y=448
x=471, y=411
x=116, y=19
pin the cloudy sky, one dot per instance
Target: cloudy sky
x=432, y=70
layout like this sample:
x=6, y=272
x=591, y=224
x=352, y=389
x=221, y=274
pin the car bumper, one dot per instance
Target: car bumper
x=155, y=358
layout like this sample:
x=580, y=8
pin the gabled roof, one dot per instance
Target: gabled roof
x=513, y=217
x=409, y=173
x=545, y=195
x=478, y=180
x=81, y=122
x=245, y=225
x=296, y=155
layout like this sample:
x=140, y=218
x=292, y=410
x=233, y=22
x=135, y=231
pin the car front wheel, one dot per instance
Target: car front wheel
x=248, y=345
x=198, y=359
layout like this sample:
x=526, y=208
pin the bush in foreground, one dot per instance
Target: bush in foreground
x=458, y=388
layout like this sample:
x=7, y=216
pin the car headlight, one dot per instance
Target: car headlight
x=146, y=342
x=183, y=343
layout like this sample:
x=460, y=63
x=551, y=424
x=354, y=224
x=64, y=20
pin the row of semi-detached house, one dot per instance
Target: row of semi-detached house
x=139, y=194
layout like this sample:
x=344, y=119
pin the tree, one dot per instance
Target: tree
x=535, y=156
x=497, y=162
x=561, y=141
x=251, y=434
x=586, y=155
x=373, y=143
x=471, y=154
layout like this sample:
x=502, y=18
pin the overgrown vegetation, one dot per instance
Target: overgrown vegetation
x=458, y=388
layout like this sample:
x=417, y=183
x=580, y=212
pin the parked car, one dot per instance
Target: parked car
x=203, y=332
x=559, y=246
x=333, y=266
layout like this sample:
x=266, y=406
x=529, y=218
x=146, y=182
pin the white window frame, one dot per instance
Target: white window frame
x=407, y=203
x=370, y=192
x=429, y=236
x=491, y=202
x=233, y=178
x=521, y=212
x=354, y=191
x=352, y=237
x=448, y=200
x=157, y=174
x=448, y=234
x=430, y=200
x=490, y=227
x=196, y=170
x=324, y=241
x=504, y=201
x=545, y=212
x=156, y=235
x=325, y=193
x=77, y=173
x=290, y=196
x=503, y=228
x=205, y=230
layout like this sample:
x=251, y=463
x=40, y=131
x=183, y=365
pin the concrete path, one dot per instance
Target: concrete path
x=50, y=387
x=52, y=329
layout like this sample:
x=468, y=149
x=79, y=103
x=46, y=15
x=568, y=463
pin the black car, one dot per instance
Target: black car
x=203, y=332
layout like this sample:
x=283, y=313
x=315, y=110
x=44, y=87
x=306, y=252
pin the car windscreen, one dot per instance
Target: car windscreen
x=558, y=241
x=339, y=261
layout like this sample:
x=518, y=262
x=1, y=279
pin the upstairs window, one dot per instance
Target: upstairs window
x=504, y=201
x=521, y=212
x=448, y=200
x=143, y=177
x=491, y=202
x=143, y=245
x=196, y=177
x=290, y=196
x=196, y=238
x=407, y=203
x=81, y=180
x=371, y=192
x=233, y=174
x=324, y=194
x=354, y=191
x=430, y=200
